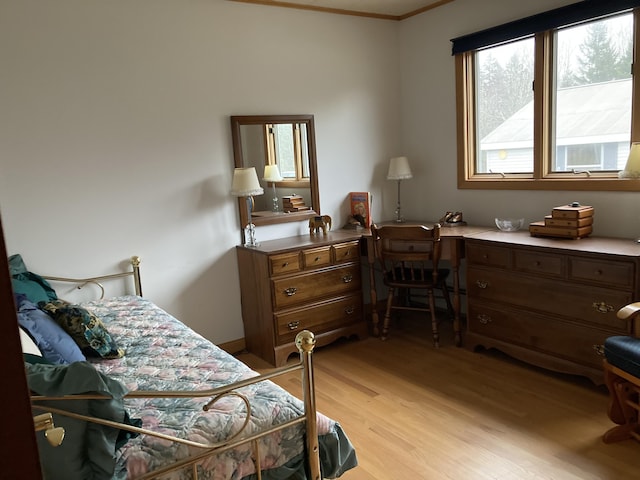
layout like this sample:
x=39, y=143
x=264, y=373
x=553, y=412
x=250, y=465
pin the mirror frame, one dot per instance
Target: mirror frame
x=236, y=123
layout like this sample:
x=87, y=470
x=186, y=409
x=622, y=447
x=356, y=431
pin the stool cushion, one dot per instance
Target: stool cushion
x=624, y=353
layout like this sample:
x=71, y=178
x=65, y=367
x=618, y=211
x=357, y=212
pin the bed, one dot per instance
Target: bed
x=163, y=402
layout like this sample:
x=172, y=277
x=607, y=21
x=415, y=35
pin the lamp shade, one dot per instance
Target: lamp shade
x=399, y=169
x=272, y=174
x=245, y=182
x=632, y=168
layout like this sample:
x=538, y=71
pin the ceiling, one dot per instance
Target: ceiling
x=388, y=9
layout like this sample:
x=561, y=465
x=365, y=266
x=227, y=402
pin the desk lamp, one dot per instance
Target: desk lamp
x=399, y=170
x=245, y=184
x=272, y=174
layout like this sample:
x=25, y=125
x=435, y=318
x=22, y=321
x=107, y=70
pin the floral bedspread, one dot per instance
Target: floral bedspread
x=161, y=353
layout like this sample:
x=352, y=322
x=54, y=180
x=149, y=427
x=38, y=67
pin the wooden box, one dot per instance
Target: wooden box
x=540, y=229
x=293, y=203
x=572, y=212
x=549, y=221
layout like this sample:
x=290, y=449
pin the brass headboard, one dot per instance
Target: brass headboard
x=135, y=273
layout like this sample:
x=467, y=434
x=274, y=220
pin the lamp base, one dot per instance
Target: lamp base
x=250, y=236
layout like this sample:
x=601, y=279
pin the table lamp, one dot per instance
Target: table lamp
x=632, y=168
x=399, y=170
x=246, y=184
x=272, y=174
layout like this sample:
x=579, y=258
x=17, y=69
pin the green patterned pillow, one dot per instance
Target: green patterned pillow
x=85, y=328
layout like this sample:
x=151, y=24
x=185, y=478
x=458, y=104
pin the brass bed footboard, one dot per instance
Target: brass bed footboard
x=305, y=342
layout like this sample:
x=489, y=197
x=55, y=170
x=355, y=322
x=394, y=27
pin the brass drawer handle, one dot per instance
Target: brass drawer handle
x=285, y=264
x=482, y=284
x=484, y=319
x=293, y=325
x=347, y=278
x=599, y=350
x=349, y=310
x=602, y=307
x=290, y=292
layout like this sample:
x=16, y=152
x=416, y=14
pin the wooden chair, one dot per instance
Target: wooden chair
x=622, y=377
x=409, y=256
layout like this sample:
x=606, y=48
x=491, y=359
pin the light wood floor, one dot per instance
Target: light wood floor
x=415, y=412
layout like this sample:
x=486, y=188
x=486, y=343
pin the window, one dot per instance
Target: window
x=547, y=102
x=285, y=147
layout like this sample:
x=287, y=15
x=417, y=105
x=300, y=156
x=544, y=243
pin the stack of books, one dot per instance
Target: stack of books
x=293, y=203
x=566, y=221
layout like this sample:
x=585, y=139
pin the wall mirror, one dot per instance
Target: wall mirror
x=282, y=148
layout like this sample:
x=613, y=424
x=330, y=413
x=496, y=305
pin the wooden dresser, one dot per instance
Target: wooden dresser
x=305, y=282
x=549, y=302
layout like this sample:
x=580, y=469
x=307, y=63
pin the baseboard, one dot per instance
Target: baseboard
x=234, y=346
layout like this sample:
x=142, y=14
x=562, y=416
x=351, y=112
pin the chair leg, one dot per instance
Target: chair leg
x=434, y=321
x=628, y=428
x=387, y=315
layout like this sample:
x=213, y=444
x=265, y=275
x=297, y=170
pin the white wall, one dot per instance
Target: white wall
x=115, y=138
x=429, y=128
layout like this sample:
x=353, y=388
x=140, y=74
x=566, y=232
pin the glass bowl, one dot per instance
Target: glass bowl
x=509, y=224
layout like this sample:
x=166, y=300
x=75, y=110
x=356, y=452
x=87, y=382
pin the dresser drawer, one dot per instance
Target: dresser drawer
x=316, y=257
x=488, y=255
x=539, y=333
x=285, y=263
x=308, y=287
x=605, y=272
x=584, y=303
x=318, y=317
x=346, y=252
x=547, y=264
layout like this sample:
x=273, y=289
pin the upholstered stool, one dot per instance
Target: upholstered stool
x=622, y=377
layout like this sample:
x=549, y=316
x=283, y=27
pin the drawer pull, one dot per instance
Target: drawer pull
x=285, y=264
x=293, y=325
x=347, y=278
x=349, y=310
x=290, y=292
x=484, y=319
x=602, y=307
x=598, y=272
x=482, y=284
x=317, y=259
x=599, y=350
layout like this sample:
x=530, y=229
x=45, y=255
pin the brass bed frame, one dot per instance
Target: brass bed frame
x=305, y=341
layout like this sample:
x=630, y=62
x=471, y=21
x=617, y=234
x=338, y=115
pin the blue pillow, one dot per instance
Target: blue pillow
x=56, y=345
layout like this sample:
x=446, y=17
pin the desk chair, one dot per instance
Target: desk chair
x=409, y=256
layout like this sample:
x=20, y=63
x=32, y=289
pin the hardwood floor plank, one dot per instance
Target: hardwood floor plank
x=416, y=412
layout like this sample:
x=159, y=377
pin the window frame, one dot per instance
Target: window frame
x=541, y=178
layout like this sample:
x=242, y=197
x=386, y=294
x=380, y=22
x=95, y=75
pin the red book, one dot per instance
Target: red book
x=361, y=207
